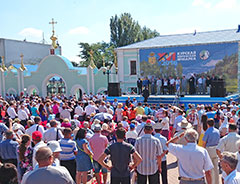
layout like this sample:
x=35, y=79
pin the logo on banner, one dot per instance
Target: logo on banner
x=204, y=55
x=152, y=59
x=171, y=56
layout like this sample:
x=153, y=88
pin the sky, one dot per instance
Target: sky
x=88, y=20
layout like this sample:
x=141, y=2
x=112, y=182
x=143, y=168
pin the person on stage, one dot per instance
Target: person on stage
x=139, y=86
x=145, y=94
x=192, y=88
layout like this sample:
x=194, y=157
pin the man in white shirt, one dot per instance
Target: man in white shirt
x=194, y=161
x=22, y=115
x=79, y=111
x=91, y=108
x=53, y=133
x=46, y=173
x=11, y=111
x=37, y=140
x=229, y=163
x=35, y=127
x=178, y=120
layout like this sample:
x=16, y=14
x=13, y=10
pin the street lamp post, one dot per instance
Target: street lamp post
x=107, y=71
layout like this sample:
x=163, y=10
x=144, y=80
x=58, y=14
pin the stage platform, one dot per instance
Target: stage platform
x=173, y=100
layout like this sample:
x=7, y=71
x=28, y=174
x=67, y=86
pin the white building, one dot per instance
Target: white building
x=33, y=52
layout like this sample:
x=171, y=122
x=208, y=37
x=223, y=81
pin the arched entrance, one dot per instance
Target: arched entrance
x=78, y=91
x=32, y=90
x=54, y=84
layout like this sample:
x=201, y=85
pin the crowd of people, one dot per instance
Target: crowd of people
x=200, y=85
x=66, y=140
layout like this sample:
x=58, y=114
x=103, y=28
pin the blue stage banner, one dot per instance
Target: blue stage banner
x=219, y=59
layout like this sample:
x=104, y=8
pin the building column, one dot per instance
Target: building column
x=88, y=79
x=19, y=82
x=22, y=81
x=93, y=87
x=3, y=84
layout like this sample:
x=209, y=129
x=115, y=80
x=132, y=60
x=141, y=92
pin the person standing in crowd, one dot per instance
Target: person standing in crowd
x=191, y=170
x=56, y=149
x=8, y=149
x=184, y=85
x=8, y=173
x=22, y=115
x=3, y=129
x=140, y=127
x=11, y=110
x=119, y=112
x=79, y=111
x=120, y=155
x=228, y=142
x=158, y=127
x=83, y=157
x=165, y=124
x=150, y=167
x=38, y=143
x=139, y=86
x=25, y=153
x=90, y=108
x=193, y=118
x=132, y=135
x=53, y=133
x=178, y=120
x=46, y=173
x=35, y=127
x=229, y=163
x=139, y=109
x=192, y=88
x=69, y=151
x=145, y=94
x=102, y=107
x=98, y=144
x=210, y=141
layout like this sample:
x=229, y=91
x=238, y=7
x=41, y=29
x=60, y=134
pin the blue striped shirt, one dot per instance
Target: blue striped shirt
x=68, y=148
x=149, y=148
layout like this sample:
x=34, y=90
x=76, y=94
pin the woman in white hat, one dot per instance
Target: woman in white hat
x=56, y=149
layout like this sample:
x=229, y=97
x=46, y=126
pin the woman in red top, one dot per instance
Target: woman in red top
x=125, y=112
x=132, y=113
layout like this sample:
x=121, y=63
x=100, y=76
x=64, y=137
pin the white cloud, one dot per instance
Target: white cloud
x=31, y=32
x=202, y=3
x=79, y=30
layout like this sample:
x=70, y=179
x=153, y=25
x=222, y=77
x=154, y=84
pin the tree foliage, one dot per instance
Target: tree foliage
x=124, y=30
x=99, y=49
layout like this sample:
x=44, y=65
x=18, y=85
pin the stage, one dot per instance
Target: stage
x=172, y=99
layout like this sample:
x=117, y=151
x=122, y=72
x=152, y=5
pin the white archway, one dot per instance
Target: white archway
x=75, y=88
x=31, y=88
x=101, y=89
x=45, y=81
x=12, y=91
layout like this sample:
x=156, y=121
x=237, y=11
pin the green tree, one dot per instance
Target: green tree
x=124, y=30
x=99, y=49
x=147, y=33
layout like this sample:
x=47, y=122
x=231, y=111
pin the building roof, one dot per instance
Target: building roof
x=230, y=35
x=80, y=70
